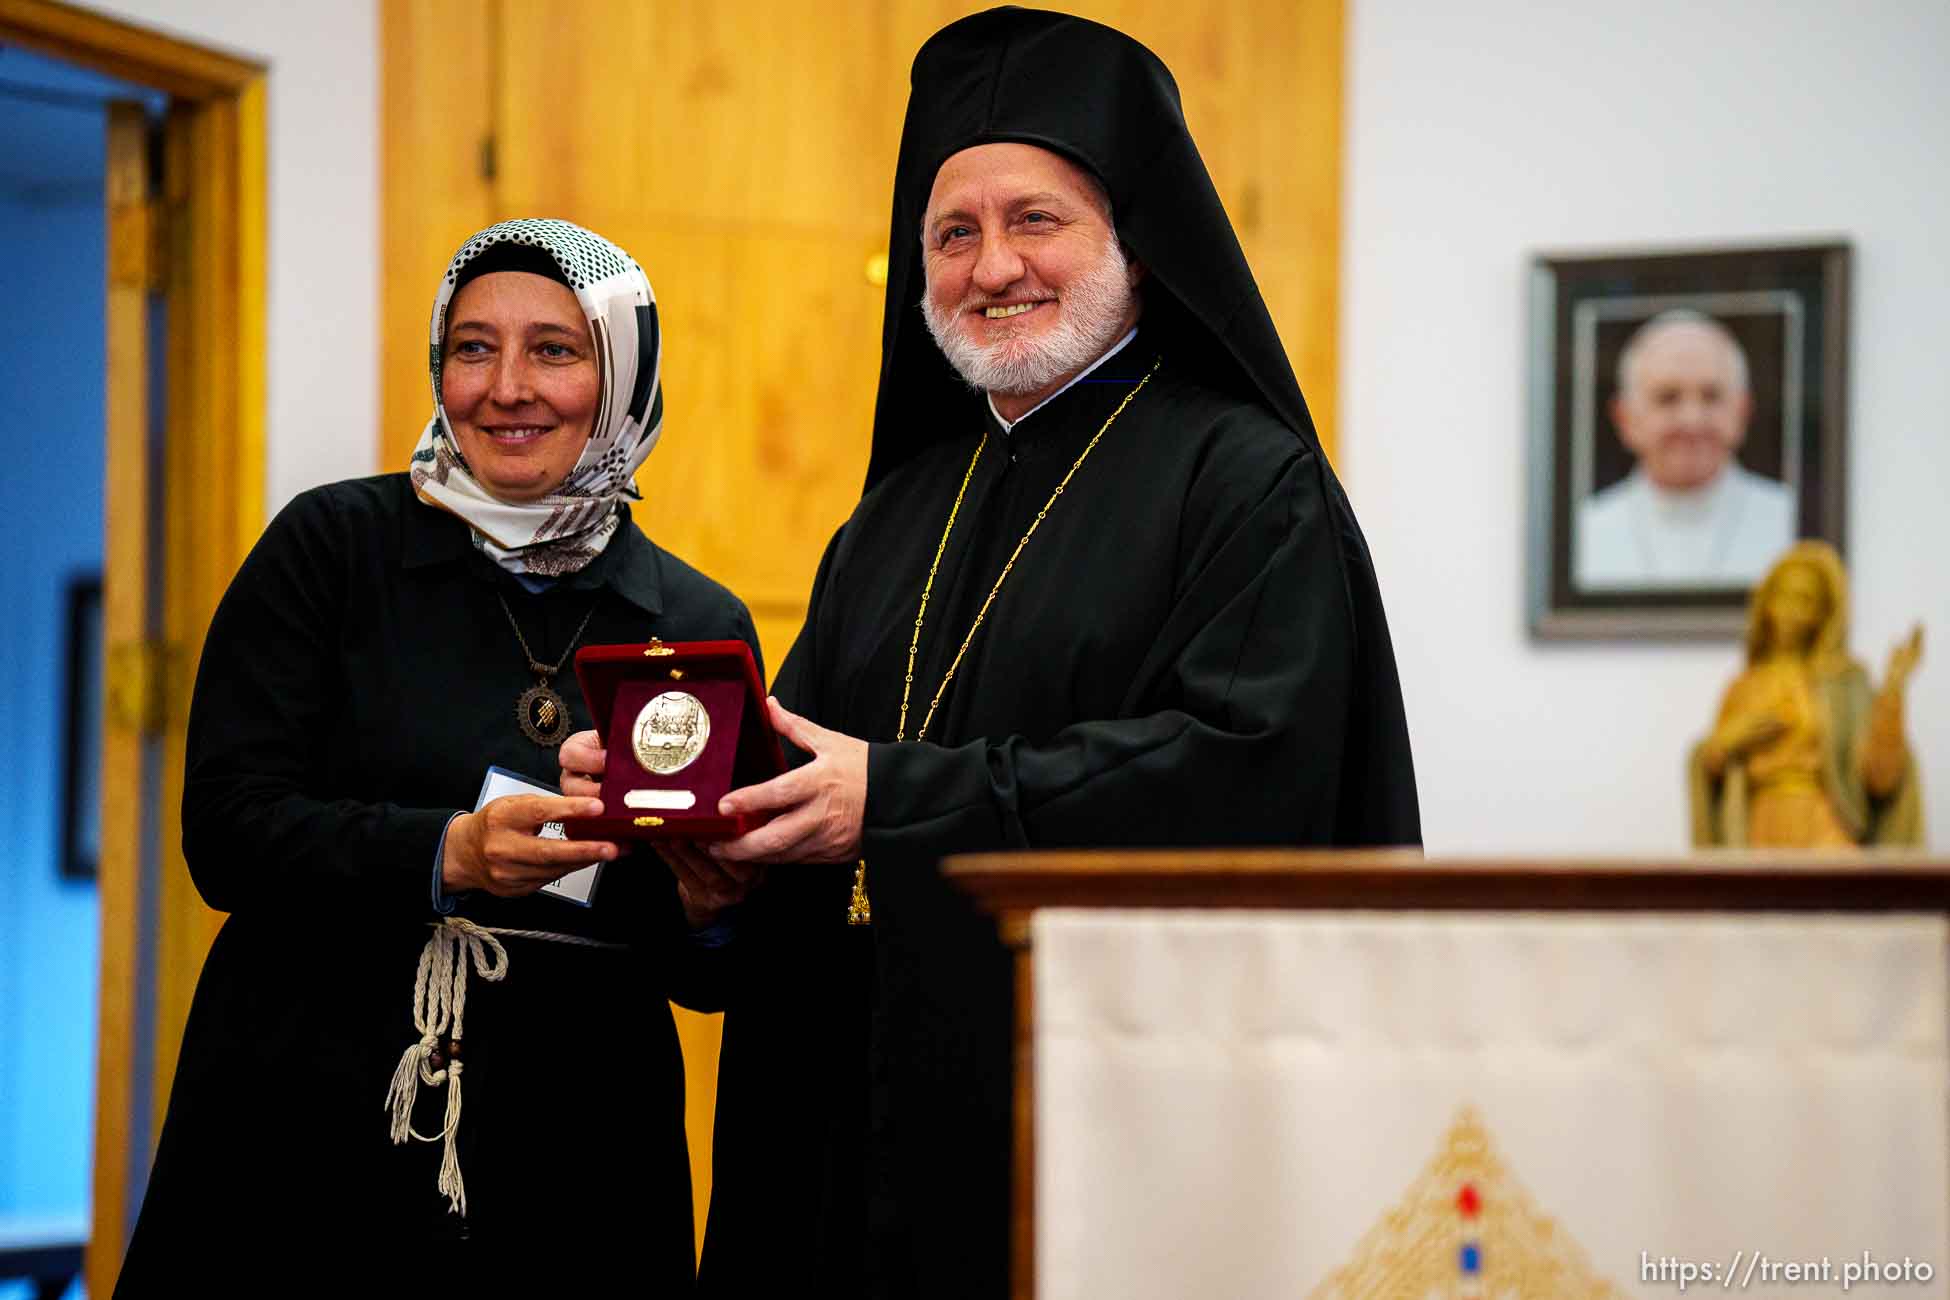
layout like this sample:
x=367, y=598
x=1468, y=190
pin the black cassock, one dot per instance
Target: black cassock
x=358, y=679
x=1172, y=661
x=1190, y=651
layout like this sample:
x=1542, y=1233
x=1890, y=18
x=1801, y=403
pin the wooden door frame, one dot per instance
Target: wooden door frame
x=212, y=501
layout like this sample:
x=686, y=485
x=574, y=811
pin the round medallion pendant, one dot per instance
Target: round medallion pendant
x=670, y=733
x=543, y=715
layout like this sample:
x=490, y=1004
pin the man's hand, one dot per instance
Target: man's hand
x=498, y=850
x=583, y=759
x=816, y=810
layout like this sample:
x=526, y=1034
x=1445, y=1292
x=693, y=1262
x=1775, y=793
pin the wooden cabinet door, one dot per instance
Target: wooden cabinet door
x=744, y=153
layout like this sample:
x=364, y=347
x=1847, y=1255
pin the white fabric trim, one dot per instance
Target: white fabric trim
x=1008, y=426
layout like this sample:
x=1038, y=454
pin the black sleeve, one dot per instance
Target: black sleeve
x=744, y=629
x=792, y=1066
x=258, y=829
x=693, y=974
x=1231, y=734
x=797, y=675
x=792, y=892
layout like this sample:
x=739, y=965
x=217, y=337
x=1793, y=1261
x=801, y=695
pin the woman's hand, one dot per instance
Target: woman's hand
x=498, y=849
x=1739, y=736
x=706, y=886
x=817, y=810
x=583, y=759
x=1903, y=660
x=1750, y=731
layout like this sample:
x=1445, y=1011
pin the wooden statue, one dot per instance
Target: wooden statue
x=1805, y=753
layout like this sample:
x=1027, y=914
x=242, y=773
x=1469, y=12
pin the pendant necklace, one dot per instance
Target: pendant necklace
x=541, y=710
x=859, y=909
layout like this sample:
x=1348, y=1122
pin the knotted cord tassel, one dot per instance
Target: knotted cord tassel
x=430, y=1018
x=405, y=1088
x=450, y=1184
x=440, y=1001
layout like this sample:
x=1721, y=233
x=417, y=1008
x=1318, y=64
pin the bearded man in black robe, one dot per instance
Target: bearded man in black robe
x=1102, y=589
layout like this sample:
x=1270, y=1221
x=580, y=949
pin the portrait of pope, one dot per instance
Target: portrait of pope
x=1688, y=513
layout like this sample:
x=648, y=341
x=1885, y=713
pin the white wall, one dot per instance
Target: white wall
x=323, y=148
x=1480, y=133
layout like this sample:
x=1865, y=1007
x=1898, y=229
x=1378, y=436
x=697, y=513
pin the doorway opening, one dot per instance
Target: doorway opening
x=177, y=277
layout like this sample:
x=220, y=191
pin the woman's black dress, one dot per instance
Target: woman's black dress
x=358, y=680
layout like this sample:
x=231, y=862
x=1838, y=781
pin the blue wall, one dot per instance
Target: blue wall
x=51, y=372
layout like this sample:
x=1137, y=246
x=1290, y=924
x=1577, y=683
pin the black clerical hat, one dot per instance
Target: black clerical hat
x=1110, y=105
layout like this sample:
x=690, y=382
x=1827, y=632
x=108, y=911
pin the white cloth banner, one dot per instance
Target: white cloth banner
x=1248, y=1104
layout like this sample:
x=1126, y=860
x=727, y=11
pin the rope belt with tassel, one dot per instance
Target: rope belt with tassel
x=439, y=1007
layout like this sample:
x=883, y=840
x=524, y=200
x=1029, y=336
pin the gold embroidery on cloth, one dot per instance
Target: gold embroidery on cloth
x=1464, y=1198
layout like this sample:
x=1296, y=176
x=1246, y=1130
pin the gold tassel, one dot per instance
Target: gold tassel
x=860, y=910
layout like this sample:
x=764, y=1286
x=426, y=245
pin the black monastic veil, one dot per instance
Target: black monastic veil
x=1191, y=651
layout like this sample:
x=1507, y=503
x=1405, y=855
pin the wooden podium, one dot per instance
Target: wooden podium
x=1013, y=887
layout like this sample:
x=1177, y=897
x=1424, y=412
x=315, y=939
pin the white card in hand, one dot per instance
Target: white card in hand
x=579, y=886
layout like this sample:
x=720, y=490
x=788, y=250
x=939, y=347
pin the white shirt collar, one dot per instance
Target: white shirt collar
x=1682, y=506
x=1009, y=425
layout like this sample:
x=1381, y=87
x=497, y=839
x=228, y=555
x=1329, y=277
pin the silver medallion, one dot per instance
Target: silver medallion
x=670, y=732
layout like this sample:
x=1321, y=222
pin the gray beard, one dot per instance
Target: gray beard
x=1093, y=310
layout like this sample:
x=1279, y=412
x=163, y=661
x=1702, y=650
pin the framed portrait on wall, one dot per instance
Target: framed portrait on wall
x=1688, y=414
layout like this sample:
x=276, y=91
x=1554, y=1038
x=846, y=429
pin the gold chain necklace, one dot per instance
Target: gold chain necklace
x=859, y=909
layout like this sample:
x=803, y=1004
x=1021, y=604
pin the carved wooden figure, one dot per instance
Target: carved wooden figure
x=1805, y=752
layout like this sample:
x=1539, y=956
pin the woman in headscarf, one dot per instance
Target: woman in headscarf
x=388, y=641
x=1805, y=754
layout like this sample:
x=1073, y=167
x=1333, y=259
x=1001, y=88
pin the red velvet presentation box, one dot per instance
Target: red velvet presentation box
x=684, y=724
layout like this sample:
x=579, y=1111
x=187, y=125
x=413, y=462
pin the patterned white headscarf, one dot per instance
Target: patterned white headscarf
x=565, y=530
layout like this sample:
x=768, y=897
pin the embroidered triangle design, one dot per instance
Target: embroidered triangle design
x=1466, y=1230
